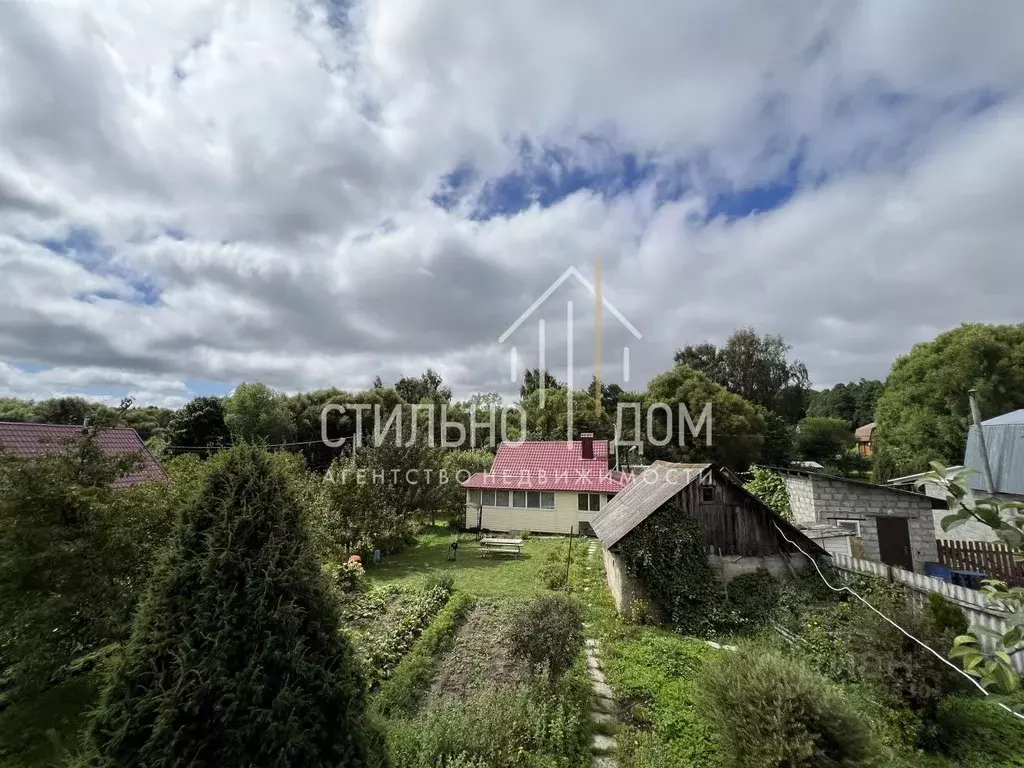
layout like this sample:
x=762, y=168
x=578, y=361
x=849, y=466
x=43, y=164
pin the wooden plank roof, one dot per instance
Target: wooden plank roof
x=642, y=497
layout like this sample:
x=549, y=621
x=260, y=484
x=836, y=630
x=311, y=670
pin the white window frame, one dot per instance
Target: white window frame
x=593, y=502
x=519, y=499
x=856, y=524
x=498, y=501
x=547, y=500
x=473, y=496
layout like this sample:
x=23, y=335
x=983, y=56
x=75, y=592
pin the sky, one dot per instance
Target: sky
x=195, y=194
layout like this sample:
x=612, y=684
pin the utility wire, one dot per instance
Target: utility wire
x=924, y=645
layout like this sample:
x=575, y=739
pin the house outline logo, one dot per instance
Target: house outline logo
x=600, y=302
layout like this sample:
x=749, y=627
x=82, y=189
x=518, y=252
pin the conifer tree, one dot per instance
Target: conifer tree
x=235, y=657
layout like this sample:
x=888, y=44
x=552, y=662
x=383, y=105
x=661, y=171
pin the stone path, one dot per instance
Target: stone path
x=603, y=707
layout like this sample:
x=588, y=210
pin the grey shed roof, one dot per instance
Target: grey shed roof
x=1004, y=438
x=639, y=500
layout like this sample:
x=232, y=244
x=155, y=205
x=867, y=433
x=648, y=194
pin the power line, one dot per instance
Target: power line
x=924, y=645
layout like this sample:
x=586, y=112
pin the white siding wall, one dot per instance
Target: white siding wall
x=564, y=516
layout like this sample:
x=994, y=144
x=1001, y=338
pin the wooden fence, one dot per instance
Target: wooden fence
x=973, y=602
x=994, y=559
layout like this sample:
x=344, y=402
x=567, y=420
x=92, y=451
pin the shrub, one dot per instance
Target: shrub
x=751, y=599
x=771, y=711
x=235, y=657
x=554, y=571
x=944, y=616
x=548, y=634
x=770, y=487
x=347, y=577
x=978, y=732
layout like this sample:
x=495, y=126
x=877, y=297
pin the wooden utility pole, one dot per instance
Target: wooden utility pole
x=990, y=486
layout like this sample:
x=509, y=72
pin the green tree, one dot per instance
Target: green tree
x=533, y=380
x=822, y=440
x=13, y=409
x=755, y=367
x=73, y=554
x=254, y=411
x=199, y=424
x=428, y=386
x=923, y=413
x=63, y=410
x=854, y=403
x=737, y=428
x=236, y=658
x=779, y=439
x=550, y=421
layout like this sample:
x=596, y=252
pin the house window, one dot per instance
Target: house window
x=707, y=493
x=473, y=497
x=589, y=502
x=519, y=499
x=533, y=499
x=850, y=525
x=547, y=501
x=501, y=498
x=488, y=498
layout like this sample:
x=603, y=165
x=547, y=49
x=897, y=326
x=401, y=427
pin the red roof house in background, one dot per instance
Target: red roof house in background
x=30, y=440
x=543, y=486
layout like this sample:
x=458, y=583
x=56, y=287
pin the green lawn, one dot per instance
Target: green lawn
x=490, y=576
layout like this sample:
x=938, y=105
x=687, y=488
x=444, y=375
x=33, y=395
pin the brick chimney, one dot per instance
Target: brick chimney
x=587, y=445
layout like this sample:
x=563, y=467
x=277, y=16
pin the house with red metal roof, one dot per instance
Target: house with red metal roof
x=29, y=440
x=543, y=486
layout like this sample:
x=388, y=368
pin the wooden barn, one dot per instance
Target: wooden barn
x=741, y=534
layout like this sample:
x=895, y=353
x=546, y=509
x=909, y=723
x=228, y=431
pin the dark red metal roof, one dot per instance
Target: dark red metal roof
x=550, y=465
x=30, y=440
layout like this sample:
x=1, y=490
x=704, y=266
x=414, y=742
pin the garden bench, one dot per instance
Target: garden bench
x=501, y=546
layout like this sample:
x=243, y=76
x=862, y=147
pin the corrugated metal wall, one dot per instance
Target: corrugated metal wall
x=974, y=603
x=1005, y=443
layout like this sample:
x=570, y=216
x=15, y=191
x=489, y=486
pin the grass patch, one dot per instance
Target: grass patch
x=491, y=576
x=654, y=673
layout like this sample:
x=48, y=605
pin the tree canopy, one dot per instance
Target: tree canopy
x=256, y=412
x=854, y=402
x=755, y=367
x=923, y=413
x=199, y=424
x=235, y=658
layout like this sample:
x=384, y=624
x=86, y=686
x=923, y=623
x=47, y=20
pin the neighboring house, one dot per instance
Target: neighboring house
x=741, y=533
x=865, y=437
x=1004, y=440
x=543, y=486
x=32, y=440
x=895, y=525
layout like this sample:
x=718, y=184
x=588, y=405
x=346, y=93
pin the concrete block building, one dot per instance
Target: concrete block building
x=894, y=525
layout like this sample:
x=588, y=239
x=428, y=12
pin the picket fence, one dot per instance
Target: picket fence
x=974, y=603
x=994, y=559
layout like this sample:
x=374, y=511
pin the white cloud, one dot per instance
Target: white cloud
x=266, y=167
